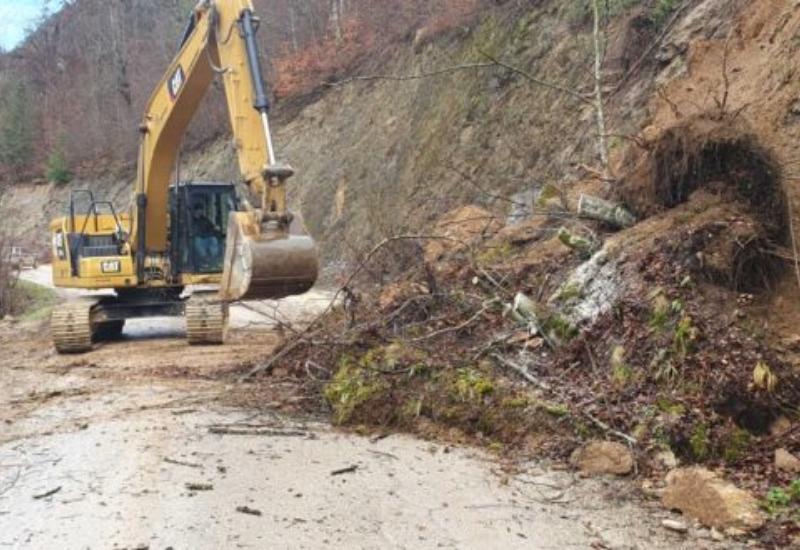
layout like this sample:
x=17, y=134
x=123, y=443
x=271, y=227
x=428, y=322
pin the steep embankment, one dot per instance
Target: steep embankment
x=380, y=156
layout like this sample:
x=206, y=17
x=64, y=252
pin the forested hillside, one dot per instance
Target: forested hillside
x=72, y=94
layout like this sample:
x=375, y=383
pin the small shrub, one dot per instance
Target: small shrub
x=57, y=167
x=699, y=442
x=685, y=337
x=662, y=10
x=472, y=385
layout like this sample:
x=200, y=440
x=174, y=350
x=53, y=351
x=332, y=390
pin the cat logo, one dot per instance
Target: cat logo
x=111, y=266
x=176, y=82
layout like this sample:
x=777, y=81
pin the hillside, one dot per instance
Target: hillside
x=443, y=166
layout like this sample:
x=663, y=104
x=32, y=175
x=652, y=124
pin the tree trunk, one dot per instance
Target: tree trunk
x=598, y=91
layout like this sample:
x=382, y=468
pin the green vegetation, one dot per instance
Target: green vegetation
x=621, y=373
x=559, y=329
x=33, y=302
x=780, y=500
x=16, y=126
x=684, y=337
x=571, y=291
x=472, y=385
x=352, y=386
x=669, y=407
x=57, y=168
x=496, y=254
x=736, y=445
x=663, y=311
x=581, y=10
x=700, y=442
x=662, y=10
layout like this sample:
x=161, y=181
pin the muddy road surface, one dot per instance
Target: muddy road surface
x=148, y=443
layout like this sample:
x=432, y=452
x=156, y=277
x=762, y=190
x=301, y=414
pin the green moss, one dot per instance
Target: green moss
x=559, y=329
x=471, y=385
x=558, y=410
x=699, y=442
x=669, y=407
x=571, y=291
x=621, y=375
x=412, y=409
x=496, y=254
x=736, y=445
x=352, y=386
x=550, y=194
x=496, y=447
x=516, y=402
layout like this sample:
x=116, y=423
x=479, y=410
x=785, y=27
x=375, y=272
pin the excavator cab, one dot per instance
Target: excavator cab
x=199, y=214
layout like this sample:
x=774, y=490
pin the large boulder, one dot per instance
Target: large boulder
x=703, y=495
x=603, y=457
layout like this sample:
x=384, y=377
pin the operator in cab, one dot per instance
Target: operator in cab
x=208, y=239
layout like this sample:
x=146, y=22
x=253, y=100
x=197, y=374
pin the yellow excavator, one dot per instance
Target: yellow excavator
x=187, y=233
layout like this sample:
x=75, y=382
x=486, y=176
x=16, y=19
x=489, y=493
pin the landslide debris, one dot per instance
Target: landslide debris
x=506, y=336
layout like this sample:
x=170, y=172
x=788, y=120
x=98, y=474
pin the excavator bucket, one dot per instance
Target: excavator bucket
x=267, y=262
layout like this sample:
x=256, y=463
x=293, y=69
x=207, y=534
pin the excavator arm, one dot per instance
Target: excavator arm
x=268, y=253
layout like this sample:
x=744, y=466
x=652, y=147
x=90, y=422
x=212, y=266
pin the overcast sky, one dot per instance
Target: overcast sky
x=17, y=16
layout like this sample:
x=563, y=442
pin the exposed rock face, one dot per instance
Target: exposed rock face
x=701, y=494
x=592, y=289
x=786, y=461
x=603, y=457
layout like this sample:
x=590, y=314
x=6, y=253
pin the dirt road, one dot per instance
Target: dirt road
x=147, y=443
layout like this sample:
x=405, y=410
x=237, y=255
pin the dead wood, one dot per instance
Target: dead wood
x=47, y=494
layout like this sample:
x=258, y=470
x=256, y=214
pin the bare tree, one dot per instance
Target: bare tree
x=599, y=47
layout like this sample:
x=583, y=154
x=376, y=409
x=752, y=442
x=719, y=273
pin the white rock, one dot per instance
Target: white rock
x=667, y=459
x=675, y=525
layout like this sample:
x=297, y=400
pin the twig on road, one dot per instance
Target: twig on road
x=49, y=493
x=182, y=463
x=348, y=470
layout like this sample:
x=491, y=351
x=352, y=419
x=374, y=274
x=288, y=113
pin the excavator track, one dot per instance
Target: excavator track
x=206, y=320
x=71, y=327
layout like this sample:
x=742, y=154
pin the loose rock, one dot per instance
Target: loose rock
x=666, y=459
x=781, y=426
x=701, y=494
x=675, y=525
x=786, y=461
x=603, y=457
